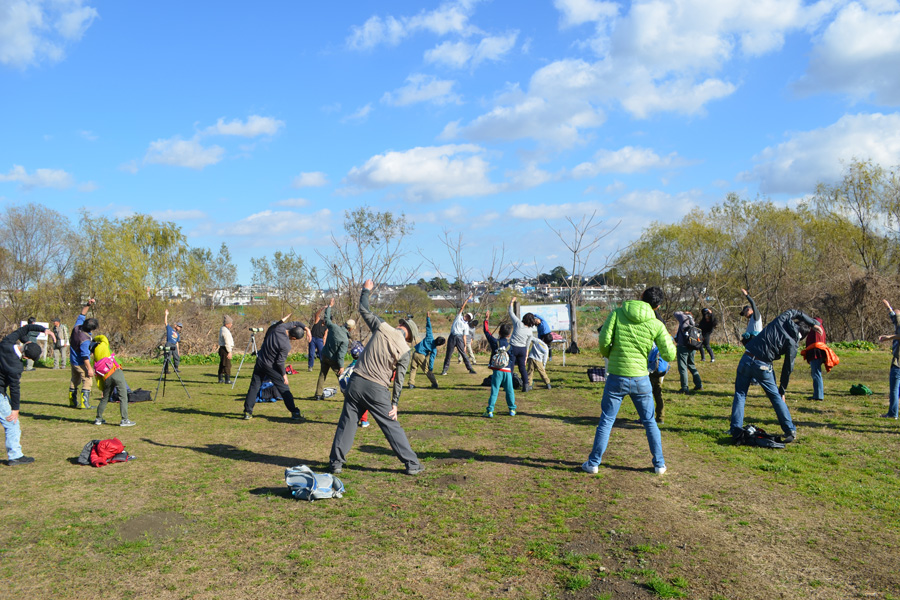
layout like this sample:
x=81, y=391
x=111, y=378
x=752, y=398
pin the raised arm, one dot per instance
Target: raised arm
x=463, y=307
x=371, y=321
x=165, y=317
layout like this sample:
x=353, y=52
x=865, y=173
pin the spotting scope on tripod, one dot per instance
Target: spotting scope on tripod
x=163, y=374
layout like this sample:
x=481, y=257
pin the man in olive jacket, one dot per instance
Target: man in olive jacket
x=332, y=356
x=626, y=338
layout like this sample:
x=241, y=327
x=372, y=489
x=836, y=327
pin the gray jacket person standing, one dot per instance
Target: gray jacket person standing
x=61, y=346
x=370, y=387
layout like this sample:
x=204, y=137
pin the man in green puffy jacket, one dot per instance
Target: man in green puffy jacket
x=626, y=338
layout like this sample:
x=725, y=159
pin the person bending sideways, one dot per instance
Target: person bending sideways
x=457, y=339
x=423, y=355
x=778, y=338
x=381, y=367
x=270, y=364
x=627, y=338
x=337, y=340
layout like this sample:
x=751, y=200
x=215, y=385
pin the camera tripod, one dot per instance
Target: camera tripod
x=163, y=374
x=250, y=345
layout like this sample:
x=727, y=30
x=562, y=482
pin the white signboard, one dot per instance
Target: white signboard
x=557, y=315
x=42, y=336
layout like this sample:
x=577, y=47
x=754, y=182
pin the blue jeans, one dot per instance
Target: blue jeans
x=894, y=394
x=751, y=368
x=641, y=392
x=815, y=368
x=315, y=350
x=502, y=378
x=13, y=431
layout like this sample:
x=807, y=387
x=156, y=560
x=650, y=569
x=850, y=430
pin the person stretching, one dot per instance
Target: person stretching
x=501, y=365
x=518, y=344
x=457, y=339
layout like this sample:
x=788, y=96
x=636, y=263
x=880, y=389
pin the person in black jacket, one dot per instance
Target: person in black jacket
x=10, y=375
x=707, y=323
x=778, y=338
x=270, y=364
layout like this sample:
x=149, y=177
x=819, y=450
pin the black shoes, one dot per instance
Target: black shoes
x=415, y=470
x=22, y=460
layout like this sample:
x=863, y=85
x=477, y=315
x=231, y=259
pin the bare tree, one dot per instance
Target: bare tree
x=461, y=273
x=582, y=239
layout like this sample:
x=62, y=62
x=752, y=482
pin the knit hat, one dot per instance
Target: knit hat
x=350, y=324
x=226, y=320
x=32, y=351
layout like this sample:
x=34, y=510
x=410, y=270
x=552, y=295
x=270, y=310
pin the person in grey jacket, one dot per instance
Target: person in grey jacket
x=270, y=364
x=331, y=358
x=61, y=347
x=387, y=356
x=518, y=345
x=685, y=353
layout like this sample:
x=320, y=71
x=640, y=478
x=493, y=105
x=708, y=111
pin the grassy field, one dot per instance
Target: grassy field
x=501, y=512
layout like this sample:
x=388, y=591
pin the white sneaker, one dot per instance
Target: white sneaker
x=661, y=470
x=589, y=469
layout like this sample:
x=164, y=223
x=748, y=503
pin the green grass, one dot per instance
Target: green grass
x=203, y=512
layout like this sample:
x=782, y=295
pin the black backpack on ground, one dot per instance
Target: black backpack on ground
x=754, y=436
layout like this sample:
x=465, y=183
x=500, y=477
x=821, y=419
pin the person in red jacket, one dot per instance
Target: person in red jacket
x=816, y=358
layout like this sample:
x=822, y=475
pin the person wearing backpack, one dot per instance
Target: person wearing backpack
x=331, y=358
x=778, y=338
x=707, y=324
x=381, y=368
x=10, y=377
x=423, y=355
x=501, y=367
x=538, y=355
x=627, y=338
x=685, y=349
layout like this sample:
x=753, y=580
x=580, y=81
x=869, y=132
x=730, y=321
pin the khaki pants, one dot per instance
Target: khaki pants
x=536, y=365
x=80, y=378
x=421, y=361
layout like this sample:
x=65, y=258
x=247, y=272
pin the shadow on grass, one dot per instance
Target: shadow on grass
x=234, y=453
x=239, y=415
x=466, y=455
x=281, y=492
x=89, y=418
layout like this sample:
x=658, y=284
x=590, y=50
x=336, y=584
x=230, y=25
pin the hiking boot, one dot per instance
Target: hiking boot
x=228, y=381
x=789, y=437
x=512, y=412
x=22, y=460
x=297, y=416
x=589, y=469
x=362, y=424
x=660, y=470
x=415, y=470
x=127, y=423
x=335, y=469
x=99, y=421
x=248, y=416
x=488, y=414
x=412, y=387
x=221, y=380
x=698, y=388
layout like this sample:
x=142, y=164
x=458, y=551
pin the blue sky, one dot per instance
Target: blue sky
x=260, y=124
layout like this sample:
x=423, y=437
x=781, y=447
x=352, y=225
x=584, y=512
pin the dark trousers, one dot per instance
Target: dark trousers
x=174, y=357
x=315, y=350
x=686, y=364
x=520, y=354
x=656, y=379
x=363, y=395
x=706, y=346
x=458, y=343
x=263, y=373
x=224, y=363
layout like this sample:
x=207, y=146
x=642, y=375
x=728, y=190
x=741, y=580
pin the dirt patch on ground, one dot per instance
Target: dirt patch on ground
x=159, y=525
x=429, y=434
x=454, y=479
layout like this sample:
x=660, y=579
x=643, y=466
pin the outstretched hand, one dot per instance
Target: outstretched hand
x=487, y=315
x=369, y=284
x=744, y=292
x=513, y=301
x=331, y=304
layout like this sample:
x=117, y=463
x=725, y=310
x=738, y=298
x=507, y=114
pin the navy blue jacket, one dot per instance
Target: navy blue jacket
x=779, y=338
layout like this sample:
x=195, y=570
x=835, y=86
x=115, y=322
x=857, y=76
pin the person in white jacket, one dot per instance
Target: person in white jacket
x=537, y=361
x=226, y=345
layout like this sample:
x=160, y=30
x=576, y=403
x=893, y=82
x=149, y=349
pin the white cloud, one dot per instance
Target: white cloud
x=129, y=167
x=310, y=179
x=449, y=17
x=183, y=153
x=271, y=223
x=857, y=54
x=40, y=178
x=293, y=202
x=428, y=173
x=31, y=32
x=577, y=12
x=361, y=114
x=422, y=88
x=626, y=160
x=459, y=54
x=807, y=158
x=254, y=126
x=552, y=212
x=178, y=215
x=89, y=135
